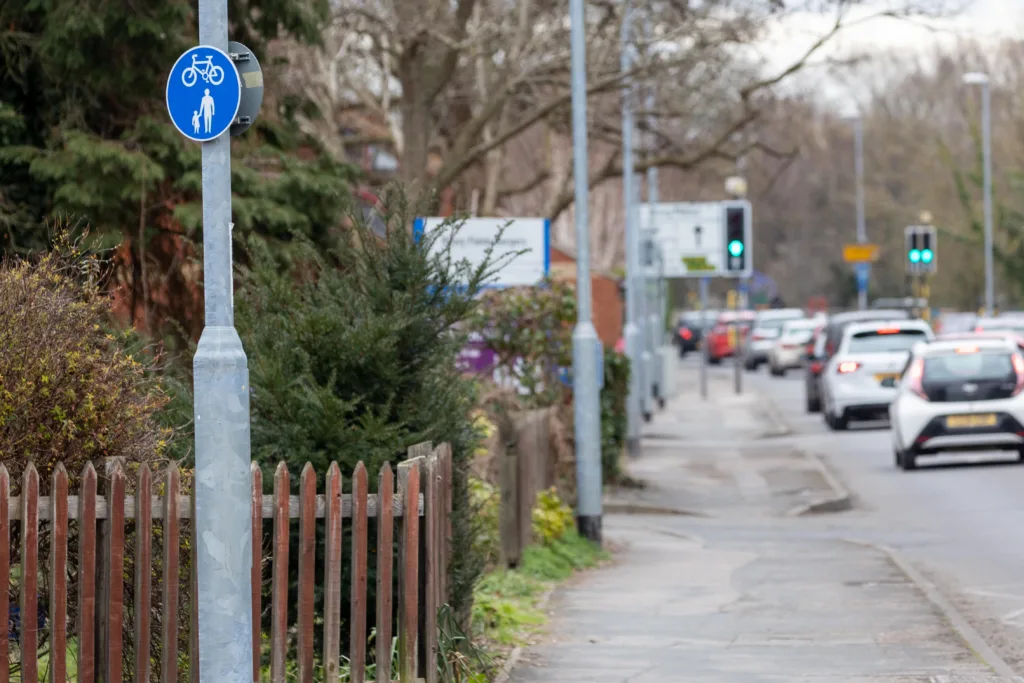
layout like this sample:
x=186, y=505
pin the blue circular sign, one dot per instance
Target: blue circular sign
x=203, y=93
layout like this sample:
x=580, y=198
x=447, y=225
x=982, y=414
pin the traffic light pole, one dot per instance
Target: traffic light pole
x=704, y=338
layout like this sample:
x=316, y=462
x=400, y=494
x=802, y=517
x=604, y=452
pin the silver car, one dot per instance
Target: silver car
x=765, y=330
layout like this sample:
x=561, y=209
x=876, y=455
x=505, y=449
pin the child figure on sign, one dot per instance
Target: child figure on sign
x=195, y=122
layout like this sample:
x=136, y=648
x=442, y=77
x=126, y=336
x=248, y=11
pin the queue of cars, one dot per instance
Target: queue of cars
x=956, y=387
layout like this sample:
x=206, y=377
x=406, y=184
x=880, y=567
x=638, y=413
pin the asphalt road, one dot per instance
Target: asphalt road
x=959, y=519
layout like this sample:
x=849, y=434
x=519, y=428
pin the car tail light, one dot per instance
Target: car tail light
x=1018, y=367
x=887, y=330
x=915, y=374
x=848, y=366
x=685, y=334
x=830, y=348
x=816, y=368
x=966, y=349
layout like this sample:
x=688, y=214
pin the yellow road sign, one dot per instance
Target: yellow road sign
x=860, y=253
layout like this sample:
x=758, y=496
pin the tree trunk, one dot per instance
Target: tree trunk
x=416, y=127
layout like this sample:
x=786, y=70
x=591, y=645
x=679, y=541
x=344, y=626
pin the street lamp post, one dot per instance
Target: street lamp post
x=633, y=333
x=976, y=78
x=585, y=343
x=656, y=306
x=862, y=237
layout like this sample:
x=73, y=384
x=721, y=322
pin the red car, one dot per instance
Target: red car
x=718, y=338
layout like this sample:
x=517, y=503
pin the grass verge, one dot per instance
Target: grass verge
x=506, y=609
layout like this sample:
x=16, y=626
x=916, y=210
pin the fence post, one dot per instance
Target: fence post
x=110, y=602
x=409, y=562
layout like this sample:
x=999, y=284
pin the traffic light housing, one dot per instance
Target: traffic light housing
x=921, y=256
x=738, y=258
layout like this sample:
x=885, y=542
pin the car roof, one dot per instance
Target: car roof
x=869, y=326
x=776, y=313
x=880, y=314
x=948, y=345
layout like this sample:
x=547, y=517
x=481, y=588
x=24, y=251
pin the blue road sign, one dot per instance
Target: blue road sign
x=863, y=273
x=203, y=93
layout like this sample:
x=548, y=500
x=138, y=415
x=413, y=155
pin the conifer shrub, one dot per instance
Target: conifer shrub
x=352, y=357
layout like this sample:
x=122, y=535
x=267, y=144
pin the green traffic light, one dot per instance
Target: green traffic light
x=915, y=255
x=735, y=247
x=927, y=256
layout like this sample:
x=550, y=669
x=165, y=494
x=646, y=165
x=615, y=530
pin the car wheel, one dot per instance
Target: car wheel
x=908, y=461
x=714, y=361
x=813, y=405
x=749, y=366
x=782, y=372
x=897, y=457
x=838, y=423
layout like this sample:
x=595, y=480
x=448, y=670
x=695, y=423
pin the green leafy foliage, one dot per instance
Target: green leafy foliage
x=614, y=421
x=530, y=329
x=552, y=518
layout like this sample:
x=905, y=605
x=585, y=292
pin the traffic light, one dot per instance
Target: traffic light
x=921, y=249
x=738, y=259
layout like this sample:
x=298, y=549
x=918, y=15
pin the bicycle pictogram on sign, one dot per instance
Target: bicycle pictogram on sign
x=206, y=69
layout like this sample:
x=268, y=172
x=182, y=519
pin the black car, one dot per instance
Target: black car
x=690, y=329
x=826, y=341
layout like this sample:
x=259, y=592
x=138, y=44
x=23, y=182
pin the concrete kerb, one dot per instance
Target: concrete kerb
x=768, y=408
x=637, y=508
x=839, y=500
x=970, y=635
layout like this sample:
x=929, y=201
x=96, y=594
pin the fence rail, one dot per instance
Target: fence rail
x=99, y=542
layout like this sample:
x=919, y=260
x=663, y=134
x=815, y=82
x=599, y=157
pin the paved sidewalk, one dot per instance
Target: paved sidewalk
x=746, y=592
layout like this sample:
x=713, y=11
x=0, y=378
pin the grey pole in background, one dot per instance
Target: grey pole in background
x=585, y=343
x=981, y=79
x=862, y=237
x=656, y=307
x=222, y=479
x=633, y=333
x=704, y=338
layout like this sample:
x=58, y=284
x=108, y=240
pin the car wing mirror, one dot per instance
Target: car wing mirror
x=890, y=382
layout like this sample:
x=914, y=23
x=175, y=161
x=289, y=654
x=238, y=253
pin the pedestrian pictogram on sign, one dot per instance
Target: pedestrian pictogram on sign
x=204, y=91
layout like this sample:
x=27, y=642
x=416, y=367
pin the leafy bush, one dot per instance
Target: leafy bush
x=614, y=422
x=530, y=330
x=552, y=518
x=485, y=502
x=69, y=390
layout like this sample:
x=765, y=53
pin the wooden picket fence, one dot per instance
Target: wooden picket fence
x=423, y=488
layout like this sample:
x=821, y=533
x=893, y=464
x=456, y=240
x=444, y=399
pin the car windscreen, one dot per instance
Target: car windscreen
x=799, y=334
x=885, y=341
x=976, y=367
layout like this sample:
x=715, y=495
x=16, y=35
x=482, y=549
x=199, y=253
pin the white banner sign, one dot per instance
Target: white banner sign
x=476, y=235
x=691, y=236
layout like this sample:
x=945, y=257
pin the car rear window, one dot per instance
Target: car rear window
x=960, y=367
x=885, y=341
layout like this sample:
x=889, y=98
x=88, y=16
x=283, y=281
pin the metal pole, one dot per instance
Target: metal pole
x=585, y=343
x=655, y=312
x=704, y=338
x=633, y=333
x=223, y=528
x=986, y=127
x=737, y=358
x=858, y=135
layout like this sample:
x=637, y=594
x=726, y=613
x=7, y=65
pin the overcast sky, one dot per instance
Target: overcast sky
x=980, y=19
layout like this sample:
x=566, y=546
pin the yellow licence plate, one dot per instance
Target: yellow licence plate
x=962, y=421
x=888, y=375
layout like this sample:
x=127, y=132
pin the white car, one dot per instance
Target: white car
x=962, y=395
x=765, y=330
x=789, y=349
x=858, y=381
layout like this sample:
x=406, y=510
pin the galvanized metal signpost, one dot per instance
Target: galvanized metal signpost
x=205, y=95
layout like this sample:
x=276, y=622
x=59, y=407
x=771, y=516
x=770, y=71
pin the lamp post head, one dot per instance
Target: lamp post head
x=975, y=78
x=736, y=186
